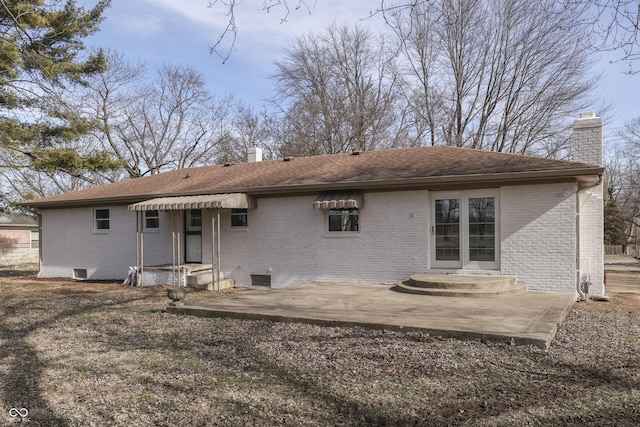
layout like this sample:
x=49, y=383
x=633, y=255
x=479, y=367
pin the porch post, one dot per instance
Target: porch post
x=218, y=251
x=178, y=246
x=212, y=286
x=175, y=249
x=215, y=249
x=139, y=249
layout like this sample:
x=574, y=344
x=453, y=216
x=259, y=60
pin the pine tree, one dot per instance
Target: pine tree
x=614, y=225
x=42, y=54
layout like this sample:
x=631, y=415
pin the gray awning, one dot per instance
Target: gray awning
x=339, y=200
x=208, y=201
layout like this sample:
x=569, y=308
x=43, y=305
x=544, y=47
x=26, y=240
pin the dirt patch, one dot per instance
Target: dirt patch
x=22, y=270
x=78, y=353
x=624, y=288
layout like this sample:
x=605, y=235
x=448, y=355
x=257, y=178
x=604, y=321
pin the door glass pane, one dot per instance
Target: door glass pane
x=193, y=248
x=193, y=235
x=447, y=230
x=193, y=220
x=482, y=236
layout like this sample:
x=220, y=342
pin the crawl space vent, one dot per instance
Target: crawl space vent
x=261, y=280
x=79, y=273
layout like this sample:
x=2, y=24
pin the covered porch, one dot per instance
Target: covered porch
x=185, y=227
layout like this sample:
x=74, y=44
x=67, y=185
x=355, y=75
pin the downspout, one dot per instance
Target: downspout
x=39, y=244
x=578, y=263
x=578, y=284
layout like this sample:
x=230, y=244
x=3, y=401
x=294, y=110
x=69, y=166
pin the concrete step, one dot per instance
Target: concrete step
x=202, y=277
x=459, y=285
x=460, y=281
x=224, y=284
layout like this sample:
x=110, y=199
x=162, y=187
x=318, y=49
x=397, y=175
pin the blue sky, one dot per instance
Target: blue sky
x=180, y=32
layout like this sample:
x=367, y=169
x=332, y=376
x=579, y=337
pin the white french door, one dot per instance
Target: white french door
x=464, y=230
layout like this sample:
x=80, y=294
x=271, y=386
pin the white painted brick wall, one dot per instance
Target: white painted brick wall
x=68, y=241
x=288, y=239
x=587, y=139
x=592, y=238
x=538, y=235
x=587, y=148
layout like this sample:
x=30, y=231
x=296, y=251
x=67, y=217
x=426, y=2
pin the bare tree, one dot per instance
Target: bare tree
x=133, y=125
x=173, y=122
x=623, y=178
x=615, y=24
x=249, y=129
x=337, y=92
x=498, y=75
x=228, y=8
x=167, y=123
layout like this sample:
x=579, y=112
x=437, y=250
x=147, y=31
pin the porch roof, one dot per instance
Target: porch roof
x=207, y=201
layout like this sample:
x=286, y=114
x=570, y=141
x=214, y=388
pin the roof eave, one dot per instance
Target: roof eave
x=438, y=182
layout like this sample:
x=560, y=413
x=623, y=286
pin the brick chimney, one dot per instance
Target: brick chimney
x=587, y=139
x=254, y=154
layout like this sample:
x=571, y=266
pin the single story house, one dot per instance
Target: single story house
x=361, y=217
x=19, y=239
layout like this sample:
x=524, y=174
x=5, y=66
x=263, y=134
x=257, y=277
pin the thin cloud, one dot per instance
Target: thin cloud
x=262, y=36
x=141, y=25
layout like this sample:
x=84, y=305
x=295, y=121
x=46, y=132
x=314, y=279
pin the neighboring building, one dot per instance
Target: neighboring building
x=19, y=239
x=362, y=217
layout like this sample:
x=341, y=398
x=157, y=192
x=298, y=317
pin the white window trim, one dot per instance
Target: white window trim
x=97, y=230
x=31, y=238
x=150, y=229
x=465, y=263
x=238, y=227
x=341, y=234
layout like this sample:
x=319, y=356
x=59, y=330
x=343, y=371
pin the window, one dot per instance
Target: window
x=102, y=219
x=447, y=229
x=35, y=239
x=482, y=220
x=238, y=217
x=151, y=220
x=343, y=220
x=193, y=220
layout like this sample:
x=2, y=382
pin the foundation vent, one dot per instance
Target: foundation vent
x=261, y=280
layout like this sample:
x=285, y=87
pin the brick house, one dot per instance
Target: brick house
x=361, y=217
x=19, y=239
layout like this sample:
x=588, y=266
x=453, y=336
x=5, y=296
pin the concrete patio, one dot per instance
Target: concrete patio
x=529, y=319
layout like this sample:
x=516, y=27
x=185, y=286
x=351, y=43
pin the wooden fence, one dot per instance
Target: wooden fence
x=618, y=250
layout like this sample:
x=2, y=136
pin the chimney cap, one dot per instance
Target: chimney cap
x=588, y=115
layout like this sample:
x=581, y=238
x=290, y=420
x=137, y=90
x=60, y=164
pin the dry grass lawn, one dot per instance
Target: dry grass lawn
x=103, y=354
